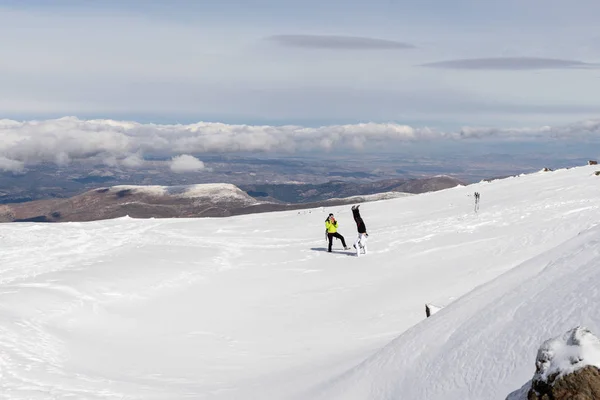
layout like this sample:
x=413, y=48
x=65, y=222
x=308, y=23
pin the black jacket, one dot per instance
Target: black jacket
x=360, y=224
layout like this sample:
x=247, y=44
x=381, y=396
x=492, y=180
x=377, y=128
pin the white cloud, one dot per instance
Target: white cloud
x=60, y=140
x=330, y=42
x=186, y=163
x=133, y=161
x=6, y=164
x=511, y=63
x=62, y=159
x=124, y=143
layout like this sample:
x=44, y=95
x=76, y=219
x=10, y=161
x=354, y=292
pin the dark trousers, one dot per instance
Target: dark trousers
x=337, y=235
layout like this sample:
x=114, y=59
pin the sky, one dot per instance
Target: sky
x=434, y=63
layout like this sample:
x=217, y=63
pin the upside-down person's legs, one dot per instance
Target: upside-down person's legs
x=357, y=245
x=363, y=242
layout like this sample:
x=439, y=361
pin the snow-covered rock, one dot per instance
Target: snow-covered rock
x=431, y=309
x=567, y=367
x=563, y=355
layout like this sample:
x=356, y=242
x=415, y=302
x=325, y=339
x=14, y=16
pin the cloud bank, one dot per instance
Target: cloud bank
x=338, y=42
x=124, y=144
x=511, y=63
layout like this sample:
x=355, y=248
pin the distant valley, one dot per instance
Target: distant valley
x=211, y=200
x=83, y=191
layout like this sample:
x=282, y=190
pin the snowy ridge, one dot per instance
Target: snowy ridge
x=225, y=191
x=254, y=307
x=372, y=197
x=214, y=191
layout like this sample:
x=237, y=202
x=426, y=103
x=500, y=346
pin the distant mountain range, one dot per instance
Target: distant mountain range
x=211, y=200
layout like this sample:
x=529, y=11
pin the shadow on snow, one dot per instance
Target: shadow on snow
x=334, y=251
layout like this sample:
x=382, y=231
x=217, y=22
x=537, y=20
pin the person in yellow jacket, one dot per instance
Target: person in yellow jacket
x=331, y=226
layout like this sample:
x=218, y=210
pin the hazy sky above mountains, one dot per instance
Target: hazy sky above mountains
x=437, y=63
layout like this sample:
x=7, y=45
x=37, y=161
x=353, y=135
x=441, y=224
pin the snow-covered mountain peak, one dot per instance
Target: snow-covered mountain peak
x=212, y=191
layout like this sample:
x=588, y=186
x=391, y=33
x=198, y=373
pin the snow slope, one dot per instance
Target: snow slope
x=253, y=307
x=484, y=345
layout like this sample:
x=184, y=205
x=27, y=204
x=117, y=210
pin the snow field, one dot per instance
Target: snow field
x=254, y=307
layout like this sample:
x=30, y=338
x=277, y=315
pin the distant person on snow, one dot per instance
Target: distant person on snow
x=331, y=226
x=361, y=240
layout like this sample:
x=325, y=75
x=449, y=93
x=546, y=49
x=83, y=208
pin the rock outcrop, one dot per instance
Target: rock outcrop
x=567, y=368
x=583, y=384
x=431, y=309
